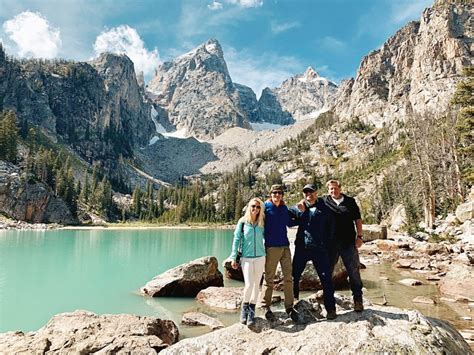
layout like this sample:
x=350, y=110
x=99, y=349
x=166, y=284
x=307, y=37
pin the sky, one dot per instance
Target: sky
x=264, y=41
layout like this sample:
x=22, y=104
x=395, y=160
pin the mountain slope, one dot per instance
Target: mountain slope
x=415, y=71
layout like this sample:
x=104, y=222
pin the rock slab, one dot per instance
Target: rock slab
x=185, y=280
x=84, y=332
x=376, y=330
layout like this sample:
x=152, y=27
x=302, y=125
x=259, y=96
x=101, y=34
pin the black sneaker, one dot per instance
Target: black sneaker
x=269, y=314
x=331, y=315
x=293, y=313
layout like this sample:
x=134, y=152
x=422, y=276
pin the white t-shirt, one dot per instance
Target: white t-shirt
x=339, y=200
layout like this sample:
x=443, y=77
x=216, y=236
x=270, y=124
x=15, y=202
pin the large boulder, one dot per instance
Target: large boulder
x=83, y=332
x=376, y=330
x=398, y=220
x=465, y=211
x=185, y=280
x=373, y=232
x=458, y=281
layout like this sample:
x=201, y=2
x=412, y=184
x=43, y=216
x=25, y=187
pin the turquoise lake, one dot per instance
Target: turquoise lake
x=43, y=273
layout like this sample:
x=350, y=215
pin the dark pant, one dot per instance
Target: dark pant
x=320, y=258
x=350, y=258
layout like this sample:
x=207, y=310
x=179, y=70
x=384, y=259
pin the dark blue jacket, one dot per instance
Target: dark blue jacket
x=276, y=220
x=314, y=227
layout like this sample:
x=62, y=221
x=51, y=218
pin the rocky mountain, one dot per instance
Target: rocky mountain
x=300, y=97
x=96, y=108
x=415, y=71
x=197, y=94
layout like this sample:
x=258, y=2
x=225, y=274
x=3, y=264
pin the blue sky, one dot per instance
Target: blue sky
x=264, y=41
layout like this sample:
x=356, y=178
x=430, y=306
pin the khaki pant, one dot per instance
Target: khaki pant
x=274, y=256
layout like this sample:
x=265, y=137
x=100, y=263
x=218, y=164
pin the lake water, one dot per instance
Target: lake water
x=43, y=273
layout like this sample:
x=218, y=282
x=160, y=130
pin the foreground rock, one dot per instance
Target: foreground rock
x=84, y=332
x=185, y=280
x=376, y=330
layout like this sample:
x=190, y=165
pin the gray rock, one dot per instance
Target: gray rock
x=85, y=332
x=376, y=330
x=423, y=299
x=224, y=298
x=374, y=231
x=410, y=282
x=185, y=280
x=465, y=211
x=398, y=219
x=198, y=318
x=458, y=281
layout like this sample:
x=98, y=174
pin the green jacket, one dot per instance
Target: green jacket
x=252, y=242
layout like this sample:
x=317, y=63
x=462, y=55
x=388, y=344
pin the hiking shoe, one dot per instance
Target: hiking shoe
x=331, y=315
x=358, y=306
x=244, y=313
x=293, y=313
x=251, y=315
x=269, y=314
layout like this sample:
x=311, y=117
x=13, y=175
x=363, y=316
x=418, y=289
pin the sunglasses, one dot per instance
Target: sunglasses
x=255, y=206
x=277, y=193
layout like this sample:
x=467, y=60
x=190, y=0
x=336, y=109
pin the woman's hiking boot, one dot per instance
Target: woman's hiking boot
x=251, y=315
x=244, y=313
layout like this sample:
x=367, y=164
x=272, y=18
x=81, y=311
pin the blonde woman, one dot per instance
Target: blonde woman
x=248, y=238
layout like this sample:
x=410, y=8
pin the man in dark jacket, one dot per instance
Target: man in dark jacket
x=311, y=244
x=277, y=249
x=346, y=230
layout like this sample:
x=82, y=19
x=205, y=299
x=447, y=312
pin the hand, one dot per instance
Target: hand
x=234, y=264
x=359, y=242
x=301, y=205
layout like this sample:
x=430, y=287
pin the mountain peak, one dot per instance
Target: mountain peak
x=213, y=46
x=310, y=73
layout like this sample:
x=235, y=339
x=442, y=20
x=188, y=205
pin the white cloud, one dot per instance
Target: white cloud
x=33, y=35
x=331, y=43
x=215, y=5
x=282, y=27
x=404, y=11
x=125, y=39
x=266, y=70
x=246, y=3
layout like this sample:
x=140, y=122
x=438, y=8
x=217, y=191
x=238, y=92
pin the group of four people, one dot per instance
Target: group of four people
x=328, y=228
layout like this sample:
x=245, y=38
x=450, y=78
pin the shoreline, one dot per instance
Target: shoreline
x=21, y=225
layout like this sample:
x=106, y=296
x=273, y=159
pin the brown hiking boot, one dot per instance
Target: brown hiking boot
x=331, y=315
x=358, y=306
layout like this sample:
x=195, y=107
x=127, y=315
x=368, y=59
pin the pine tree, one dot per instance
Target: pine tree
x=464, y=98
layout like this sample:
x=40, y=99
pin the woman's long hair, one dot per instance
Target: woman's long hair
x=261, y=216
